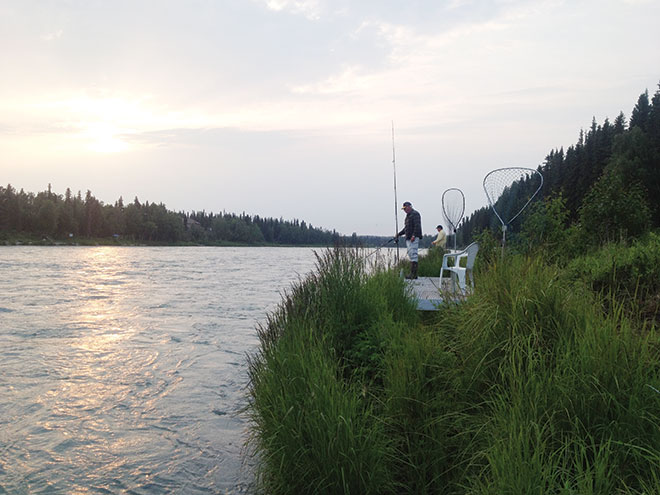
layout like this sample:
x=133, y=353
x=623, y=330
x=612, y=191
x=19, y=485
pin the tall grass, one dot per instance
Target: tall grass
x=315, y=425
x=527, y=387
x=315, y=433
x=563, y=389
x=430, y=265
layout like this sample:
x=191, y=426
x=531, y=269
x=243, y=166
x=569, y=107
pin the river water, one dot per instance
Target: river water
x=123, y=369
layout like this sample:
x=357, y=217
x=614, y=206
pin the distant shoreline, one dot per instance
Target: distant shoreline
x=27, y=240
x=102, y=243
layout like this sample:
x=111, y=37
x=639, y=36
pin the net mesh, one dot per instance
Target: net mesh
x=522, y=184
x=453, y=207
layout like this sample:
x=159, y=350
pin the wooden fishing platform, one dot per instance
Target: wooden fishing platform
x=433, y=292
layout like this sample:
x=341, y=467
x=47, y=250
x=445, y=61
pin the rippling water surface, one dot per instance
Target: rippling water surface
x=123, y=369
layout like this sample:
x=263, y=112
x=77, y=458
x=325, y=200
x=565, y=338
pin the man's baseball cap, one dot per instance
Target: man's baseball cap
x=407, y=203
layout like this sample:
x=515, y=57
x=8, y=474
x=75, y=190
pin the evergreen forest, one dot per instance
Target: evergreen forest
x=605, y=188
x=49, y=217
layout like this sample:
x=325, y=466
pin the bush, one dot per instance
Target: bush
x=545, y=230
x=614, y=209
x=627, y=274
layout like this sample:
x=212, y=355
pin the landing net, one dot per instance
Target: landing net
x=509, y=188
x=453, y=208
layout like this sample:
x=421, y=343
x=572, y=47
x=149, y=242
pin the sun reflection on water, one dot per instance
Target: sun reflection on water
x=108, y=379
x=103, y=316
x=122, y=369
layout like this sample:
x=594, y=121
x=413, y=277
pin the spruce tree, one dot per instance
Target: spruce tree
x=641, y=113
x=654, y=123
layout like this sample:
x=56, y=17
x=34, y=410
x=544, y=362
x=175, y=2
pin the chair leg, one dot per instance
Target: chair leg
x=461, y=280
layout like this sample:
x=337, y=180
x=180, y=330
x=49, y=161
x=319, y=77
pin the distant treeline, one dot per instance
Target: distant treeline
x=609, y=182
x=73, y=216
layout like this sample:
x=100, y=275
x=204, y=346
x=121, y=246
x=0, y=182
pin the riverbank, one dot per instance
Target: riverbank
x=535, y=384
x=23, y=239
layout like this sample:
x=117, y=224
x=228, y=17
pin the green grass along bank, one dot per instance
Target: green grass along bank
x=546, y=380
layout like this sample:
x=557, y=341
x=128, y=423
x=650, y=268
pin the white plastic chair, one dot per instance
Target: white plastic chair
x=459, y=271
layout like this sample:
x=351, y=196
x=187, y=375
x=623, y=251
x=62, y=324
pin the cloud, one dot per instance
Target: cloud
x=485, y=69
x=351, y=80
x=311, y=9
x=52, y=35
x=430, y=77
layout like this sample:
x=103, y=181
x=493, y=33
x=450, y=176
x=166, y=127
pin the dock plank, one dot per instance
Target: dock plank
x=432, y=292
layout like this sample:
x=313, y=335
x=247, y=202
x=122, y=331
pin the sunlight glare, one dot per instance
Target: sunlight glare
x=103, y=138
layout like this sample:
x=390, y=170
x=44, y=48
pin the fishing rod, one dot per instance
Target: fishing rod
x=396, y=201
x=396, y=210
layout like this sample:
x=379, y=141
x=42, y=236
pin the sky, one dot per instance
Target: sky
x=308, y=109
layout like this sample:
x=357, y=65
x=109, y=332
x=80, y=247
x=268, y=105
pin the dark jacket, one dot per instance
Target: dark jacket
x=413, y=225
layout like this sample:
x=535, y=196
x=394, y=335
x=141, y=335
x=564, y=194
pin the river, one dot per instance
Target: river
x=123, y=369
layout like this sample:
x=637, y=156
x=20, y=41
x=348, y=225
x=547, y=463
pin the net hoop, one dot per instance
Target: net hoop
x=497, y=181
x=453, y=207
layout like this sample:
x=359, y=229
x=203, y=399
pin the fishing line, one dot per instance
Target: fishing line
x=377, y=249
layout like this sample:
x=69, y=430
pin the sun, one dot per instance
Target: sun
x=104, y=138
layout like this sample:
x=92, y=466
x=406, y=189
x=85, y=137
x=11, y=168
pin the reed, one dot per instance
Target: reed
x=567, y=406
x=315, y=425
x=430, y=265
x=315, y=432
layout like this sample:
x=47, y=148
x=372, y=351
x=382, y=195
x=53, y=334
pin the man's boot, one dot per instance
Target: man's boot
x=413, y=270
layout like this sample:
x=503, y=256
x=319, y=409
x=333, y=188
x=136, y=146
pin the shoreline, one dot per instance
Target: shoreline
x=28, y=240
x=47, y=241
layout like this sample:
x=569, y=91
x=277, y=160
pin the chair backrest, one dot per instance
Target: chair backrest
x=471, y=251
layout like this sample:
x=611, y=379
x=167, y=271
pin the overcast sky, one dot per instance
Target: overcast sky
x=284, y=108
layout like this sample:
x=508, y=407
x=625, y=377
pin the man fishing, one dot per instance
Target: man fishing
x=441, y=240
x=413, y=232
